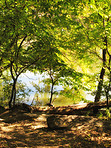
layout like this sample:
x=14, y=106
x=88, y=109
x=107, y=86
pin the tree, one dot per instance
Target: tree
x=19, y=27
x=57, y=71
x=52, y=64
x=90, y=31
x=100, y=21
x=22, y=91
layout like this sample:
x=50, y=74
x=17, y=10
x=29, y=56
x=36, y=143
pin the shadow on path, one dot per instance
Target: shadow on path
x=22, y=129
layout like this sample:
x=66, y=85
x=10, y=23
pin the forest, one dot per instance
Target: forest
x=70, y=42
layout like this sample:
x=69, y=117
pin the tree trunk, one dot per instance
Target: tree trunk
x=100, y=84
x=13, y=94
x=52, y=88
x=107, y=97
x=109, y=86
x=79, y=109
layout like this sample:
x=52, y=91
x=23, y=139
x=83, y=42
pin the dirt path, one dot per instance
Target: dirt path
x=21, y=129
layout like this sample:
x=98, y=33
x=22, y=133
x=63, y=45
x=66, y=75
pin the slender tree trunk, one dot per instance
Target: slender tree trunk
x=13, y=94
x=52, y=89
x=52, y=86
x=99, y=90
x=100, y=84
x=109, y=86
x=107, y=97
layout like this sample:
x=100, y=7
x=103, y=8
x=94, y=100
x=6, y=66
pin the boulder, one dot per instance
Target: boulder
x=68, y=121
x=57, y=121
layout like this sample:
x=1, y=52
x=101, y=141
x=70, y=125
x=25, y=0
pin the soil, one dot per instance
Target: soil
x=19, y=128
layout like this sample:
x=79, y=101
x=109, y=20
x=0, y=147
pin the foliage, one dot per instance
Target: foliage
x=20, y=26
x=89, y=34
x=104, y=113
x=63, y=38
x=5, y=90
x=23, y=92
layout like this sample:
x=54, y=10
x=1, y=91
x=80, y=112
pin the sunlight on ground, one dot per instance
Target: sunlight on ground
x=42, y=118
x=47, y=146
x=1, y=119
x=37, y=126
x=5, y=136
x=7, y=129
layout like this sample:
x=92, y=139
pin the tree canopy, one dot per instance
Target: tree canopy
x=68, y=39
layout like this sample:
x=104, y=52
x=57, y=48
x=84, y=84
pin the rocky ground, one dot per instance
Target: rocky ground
x=19, y=128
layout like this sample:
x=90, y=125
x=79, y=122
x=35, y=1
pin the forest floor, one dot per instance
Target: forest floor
x=22, y=129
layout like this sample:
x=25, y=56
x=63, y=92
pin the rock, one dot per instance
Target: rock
x=68, y=121
x=57, y=121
